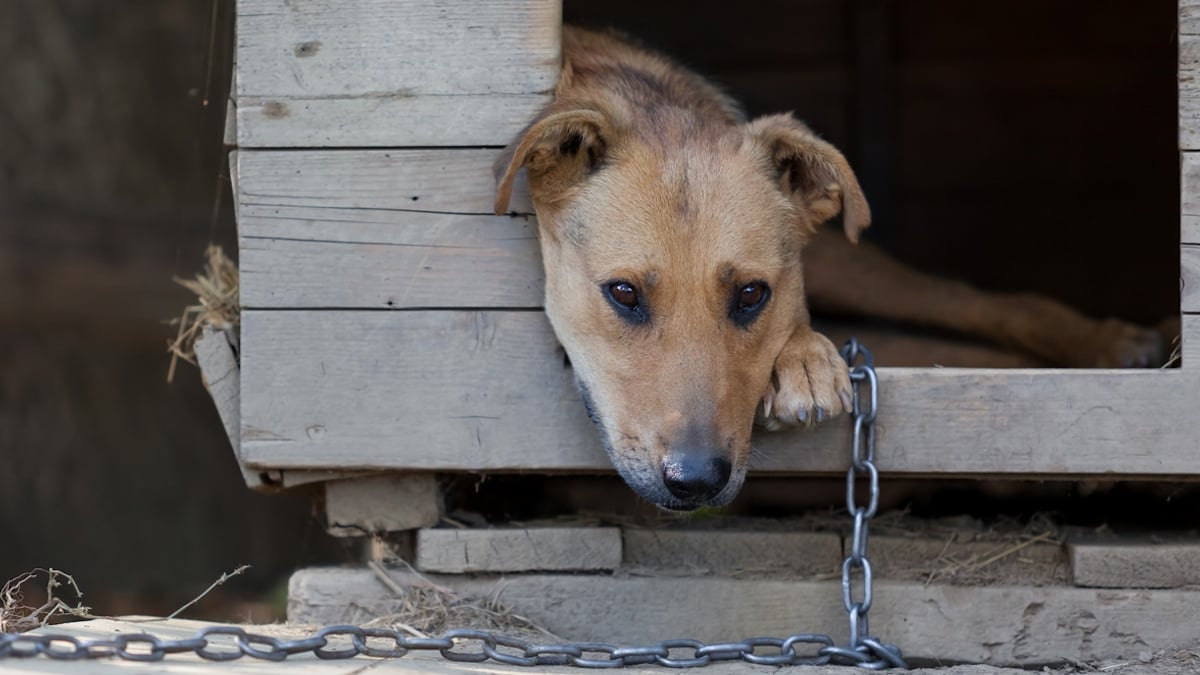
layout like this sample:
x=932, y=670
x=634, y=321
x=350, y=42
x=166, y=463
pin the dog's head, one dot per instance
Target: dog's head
x=673, y=276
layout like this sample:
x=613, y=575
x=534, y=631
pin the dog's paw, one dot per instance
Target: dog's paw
x=810, y=383
x=1117, y=344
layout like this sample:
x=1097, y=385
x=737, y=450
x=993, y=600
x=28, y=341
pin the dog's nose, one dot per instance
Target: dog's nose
x=692, y=478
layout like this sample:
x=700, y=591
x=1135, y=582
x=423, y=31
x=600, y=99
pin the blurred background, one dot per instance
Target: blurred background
x=1024, y=145
x=113, y=179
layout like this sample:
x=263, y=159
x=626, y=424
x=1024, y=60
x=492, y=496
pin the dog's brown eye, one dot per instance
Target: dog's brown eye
x=748, y=302
x=751, y=295
x=625, y=294
x=627, y=301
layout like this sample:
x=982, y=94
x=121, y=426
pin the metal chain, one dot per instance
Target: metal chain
x=226, y=643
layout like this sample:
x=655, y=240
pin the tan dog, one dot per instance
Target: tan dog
x=671, y=231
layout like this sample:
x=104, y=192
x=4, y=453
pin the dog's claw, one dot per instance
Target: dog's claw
x=820, y=414
x=802, y=415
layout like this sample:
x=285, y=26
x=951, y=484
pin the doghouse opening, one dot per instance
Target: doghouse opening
x=1019, y=146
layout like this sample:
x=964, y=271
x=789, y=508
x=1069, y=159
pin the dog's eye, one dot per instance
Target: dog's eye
x=751, y=295
x=624, y=294
x=748, y=302
x=625, y=298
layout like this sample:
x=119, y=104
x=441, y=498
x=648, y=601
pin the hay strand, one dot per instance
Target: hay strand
x=216, y=289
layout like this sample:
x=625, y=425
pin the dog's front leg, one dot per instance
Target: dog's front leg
x=810, y=382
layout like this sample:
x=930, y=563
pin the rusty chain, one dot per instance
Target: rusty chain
x=225, y=643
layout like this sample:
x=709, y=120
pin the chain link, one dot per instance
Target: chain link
x=475, y=646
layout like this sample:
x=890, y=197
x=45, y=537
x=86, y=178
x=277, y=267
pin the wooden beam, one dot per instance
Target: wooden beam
x=1014, y=625
x=362, y=506
x=380, y=73
x=519, y=549
x=488, y=391
x=1128, y=563
x=732, y=552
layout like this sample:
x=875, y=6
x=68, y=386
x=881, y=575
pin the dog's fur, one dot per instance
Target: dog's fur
x=663, y=213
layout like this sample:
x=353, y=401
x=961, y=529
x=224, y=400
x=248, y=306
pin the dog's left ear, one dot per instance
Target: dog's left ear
x=557, y=150
x=813, y=172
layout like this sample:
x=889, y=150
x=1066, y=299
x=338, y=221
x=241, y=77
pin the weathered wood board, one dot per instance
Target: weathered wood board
x=480, y=390
x=1191, y=341
x=1189, y=277
x=1135, y=564
x=731, y=552
x=1015, y=625
x=1189, y=87
x=519, y=549
x=366, y=505
x=382, y=229
x=380, y=73
x=1189, y=17
x=1189, y=211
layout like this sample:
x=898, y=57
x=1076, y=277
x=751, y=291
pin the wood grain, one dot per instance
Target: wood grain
x=1135, y=564
x=382, y=229
x=1189, y=90
x=1189, y=277
x=304, y=257
x=1189, y=17
x=1021, y=625
x=519, y=549
x=425, y=72
x=1189, y=201
x=488, y=391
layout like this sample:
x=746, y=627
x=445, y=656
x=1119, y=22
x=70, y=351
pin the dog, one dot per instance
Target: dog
x=671, y=230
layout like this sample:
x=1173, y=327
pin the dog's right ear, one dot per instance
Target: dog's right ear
x=556, y=150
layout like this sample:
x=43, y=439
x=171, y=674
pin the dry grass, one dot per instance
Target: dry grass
x=18, y=617
x=216, y=288
x=426, y=609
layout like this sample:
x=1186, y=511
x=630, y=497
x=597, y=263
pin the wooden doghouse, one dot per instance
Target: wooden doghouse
x=390, y=333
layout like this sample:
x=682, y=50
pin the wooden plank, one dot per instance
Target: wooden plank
x=359, y=229
x=1191, y=341
x=1015, y=625
x=362, y=258
x=361, y=506
x=1189, y=92
x=1189, y=17
x=1189, y=277
x=520, y=549
x=1135, y=564
x=425, y=72
x=1189, y=210
x=439, y=180
x=479, y=390
x=732, y=552
x=219, y=370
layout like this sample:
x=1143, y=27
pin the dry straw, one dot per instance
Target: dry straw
x=217, y=291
